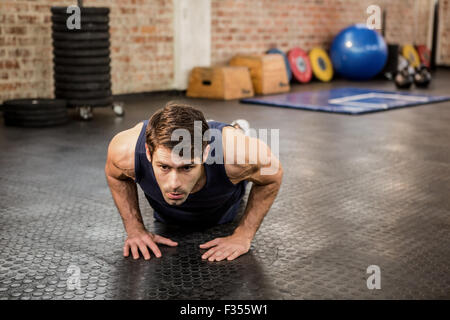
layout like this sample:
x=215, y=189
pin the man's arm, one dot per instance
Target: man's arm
x=262, y=195
x=119, y=171
x=266, y=175
x=124, y=193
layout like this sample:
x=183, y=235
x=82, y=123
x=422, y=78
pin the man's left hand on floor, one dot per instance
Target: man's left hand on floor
x=228, y=248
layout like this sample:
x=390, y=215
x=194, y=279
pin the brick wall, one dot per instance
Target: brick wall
x=444, y=33
x=142, y=35
x=253, y=26
x=141, y=46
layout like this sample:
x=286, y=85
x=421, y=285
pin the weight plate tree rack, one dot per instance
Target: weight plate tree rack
x=82, y=71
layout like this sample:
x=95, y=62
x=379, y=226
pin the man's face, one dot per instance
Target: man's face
x=175, y=178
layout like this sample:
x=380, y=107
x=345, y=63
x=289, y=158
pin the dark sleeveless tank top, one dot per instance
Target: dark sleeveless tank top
x=217, y=202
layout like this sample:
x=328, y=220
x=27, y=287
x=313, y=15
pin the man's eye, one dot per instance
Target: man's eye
x=187, y=168
x=164, y=167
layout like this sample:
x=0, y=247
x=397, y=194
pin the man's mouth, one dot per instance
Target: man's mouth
x=174, y=195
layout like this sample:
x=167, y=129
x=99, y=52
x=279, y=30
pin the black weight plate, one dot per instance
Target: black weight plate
x=83, y=10
x=64, y=77
x=83, y=70
x=34, y=112
x=85, y=44
x=81, y=53
x=33, y=117
x=70, y=36
x=88, y=61
x=91, y=86
x=84, y=27
x=28, y=104
x=34, y=109
x=86, y=18
x=36, y=123
x=69, y=94
x=101, y=102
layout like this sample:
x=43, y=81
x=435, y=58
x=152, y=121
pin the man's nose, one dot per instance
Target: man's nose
x=174, y=181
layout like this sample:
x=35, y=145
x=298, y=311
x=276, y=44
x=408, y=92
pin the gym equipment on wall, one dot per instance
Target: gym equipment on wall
x=424, y=55
x=321, y=65
x=410, y=54
x=300, y=65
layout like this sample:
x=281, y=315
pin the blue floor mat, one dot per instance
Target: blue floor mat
x=346, y=100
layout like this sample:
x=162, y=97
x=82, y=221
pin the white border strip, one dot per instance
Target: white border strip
x=350, y=100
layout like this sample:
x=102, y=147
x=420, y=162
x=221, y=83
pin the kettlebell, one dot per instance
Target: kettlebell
x=422, y=77
x=403, y=79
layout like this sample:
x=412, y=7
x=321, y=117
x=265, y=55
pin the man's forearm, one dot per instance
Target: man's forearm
x=125, y=197
x=260, y=200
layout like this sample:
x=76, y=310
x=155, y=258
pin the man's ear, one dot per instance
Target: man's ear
x=147, y=153
x=206, y=153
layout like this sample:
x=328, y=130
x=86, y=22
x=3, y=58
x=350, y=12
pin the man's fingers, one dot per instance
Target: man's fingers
x=144, y=251
x=234, y=255
x=154, y=248
x=146, y=244
x=126, y=250
x=210, y=244
x=166, y=241
x=134, y=251
x=209, y=253
x=224, y=255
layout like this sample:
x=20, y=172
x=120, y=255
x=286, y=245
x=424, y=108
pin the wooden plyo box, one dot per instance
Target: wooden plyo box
x=220, y=83
x=268, y=72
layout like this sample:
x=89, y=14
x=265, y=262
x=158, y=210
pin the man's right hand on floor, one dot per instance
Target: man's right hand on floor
x=141, y=240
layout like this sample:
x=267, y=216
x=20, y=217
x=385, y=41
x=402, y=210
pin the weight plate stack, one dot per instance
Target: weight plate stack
x=82, y=60
x=35, y=112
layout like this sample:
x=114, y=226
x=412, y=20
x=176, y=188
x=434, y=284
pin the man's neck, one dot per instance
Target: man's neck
x=201, y=181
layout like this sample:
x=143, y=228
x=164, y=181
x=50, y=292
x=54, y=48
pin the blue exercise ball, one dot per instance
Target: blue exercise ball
x=358, y=53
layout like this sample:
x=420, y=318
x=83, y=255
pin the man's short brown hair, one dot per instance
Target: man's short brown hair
x=174, y=116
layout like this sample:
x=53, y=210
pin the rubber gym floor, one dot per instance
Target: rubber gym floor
x=357, y=191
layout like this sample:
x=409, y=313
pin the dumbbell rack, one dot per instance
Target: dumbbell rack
x=82, y=60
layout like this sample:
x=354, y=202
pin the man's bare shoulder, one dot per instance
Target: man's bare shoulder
x=248, y=158
x=236, y=151
x=121, y=151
